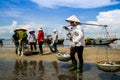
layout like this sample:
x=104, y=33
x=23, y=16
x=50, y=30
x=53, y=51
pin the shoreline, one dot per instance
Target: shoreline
x=91, y=54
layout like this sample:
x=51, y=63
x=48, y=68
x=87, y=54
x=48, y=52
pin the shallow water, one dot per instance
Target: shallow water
x=42, y=70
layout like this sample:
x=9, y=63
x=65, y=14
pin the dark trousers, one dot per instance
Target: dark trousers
x=33, y=44
x=40, y=46
x=79, y=51
x=16, y=47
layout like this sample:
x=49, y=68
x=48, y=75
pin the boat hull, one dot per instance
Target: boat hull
x=48, y=41
x=99, y=41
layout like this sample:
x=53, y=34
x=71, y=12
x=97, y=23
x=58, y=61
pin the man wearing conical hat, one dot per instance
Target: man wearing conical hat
x=77, y=44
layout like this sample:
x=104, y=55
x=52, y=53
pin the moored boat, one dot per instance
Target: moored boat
x=107, y=41
x=48, y=41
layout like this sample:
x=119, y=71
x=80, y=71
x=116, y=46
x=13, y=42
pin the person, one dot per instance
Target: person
x=32, y=40
x=77, y=43
x=53, y=45
x=22, y=40
x=1, y=43
x=40, y=38
x=15, y=40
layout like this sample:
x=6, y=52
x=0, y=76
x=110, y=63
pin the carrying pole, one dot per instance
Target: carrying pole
x=93, y=24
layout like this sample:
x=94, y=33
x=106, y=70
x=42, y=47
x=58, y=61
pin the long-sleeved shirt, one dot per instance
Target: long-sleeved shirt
x=22, y=34
x=77, y=35
x=32, y=38
x=15, y=37
x=40, y=36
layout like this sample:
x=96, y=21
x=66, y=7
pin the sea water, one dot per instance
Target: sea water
x=10, y=43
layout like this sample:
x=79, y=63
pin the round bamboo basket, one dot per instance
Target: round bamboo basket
x=109, y=66
x=63, y=57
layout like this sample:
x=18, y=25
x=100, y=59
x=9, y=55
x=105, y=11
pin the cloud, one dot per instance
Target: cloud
x=75, y=3
x=6, y=31
x=110, y=18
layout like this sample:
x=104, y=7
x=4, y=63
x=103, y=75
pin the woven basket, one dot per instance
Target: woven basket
x=63, y=57
x=109, y=66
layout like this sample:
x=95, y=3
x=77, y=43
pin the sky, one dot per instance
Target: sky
x=51, y=15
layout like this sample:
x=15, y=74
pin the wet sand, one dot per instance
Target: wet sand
x=47, y=67
x=91, y=54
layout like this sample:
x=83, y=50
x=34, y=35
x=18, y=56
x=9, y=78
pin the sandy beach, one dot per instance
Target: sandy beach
x=48, y=67
x=91, y=54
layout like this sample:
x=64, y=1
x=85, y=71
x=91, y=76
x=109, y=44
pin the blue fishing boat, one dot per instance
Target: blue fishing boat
x=107, y=41
x=100, y=41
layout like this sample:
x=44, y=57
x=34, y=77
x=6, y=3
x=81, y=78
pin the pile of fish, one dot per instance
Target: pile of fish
x=109, y=63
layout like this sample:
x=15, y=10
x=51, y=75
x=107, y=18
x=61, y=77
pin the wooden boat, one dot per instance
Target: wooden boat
x=48, y=40
x=107, y=41
x=88, y=41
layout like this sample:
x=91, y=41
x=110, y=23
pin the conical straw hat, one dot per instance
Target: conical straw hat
x=31, y=31
x=23, y=28
x=40, y=29
x=73, y=18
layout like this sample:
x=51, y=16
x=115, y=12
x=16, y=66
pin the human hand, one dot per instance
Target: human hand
x=73, y=44
x=69, y=35
x=51, y=44
x=65, y=27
